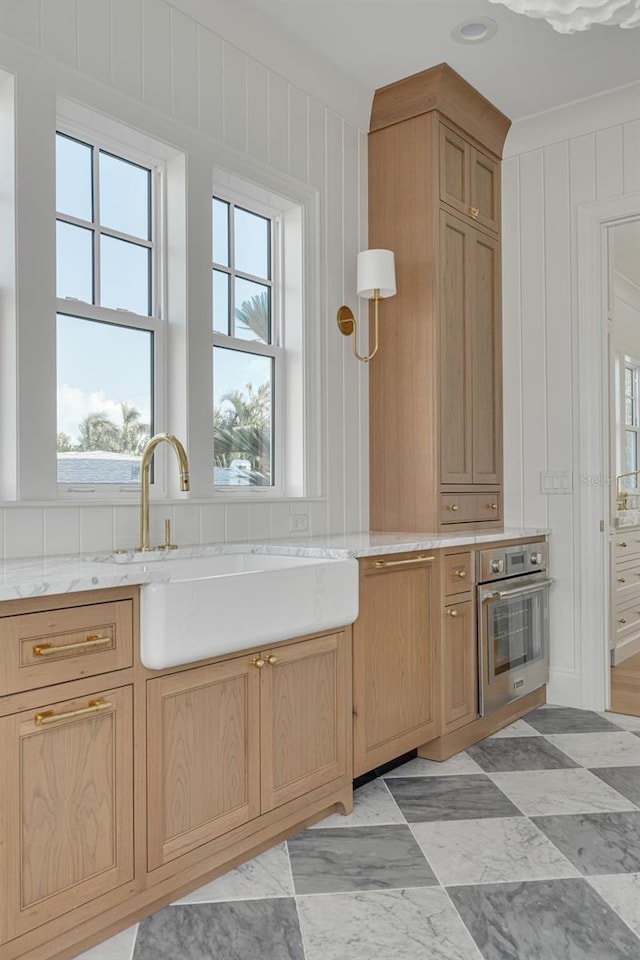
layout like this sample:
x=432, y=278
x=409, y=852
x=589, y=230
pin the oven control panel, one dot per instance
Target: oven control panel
x=499, y=563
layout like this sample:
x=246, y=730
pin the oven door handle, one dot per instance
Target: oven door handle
x=519, y=591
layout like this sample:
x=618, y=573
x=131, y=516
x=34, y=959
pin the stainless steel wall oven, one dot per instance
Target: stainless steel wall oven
x=513, y=622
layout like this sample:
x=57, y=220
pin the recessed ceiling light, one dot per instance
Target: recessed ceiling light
x=474, y=31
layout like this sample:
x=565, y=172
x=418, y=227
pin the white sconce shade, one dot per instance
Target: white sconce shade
x=376, y=279
x=376, y=273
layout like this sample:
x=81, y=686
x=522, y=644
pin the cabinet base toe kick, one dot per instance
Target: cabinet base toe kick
x=442, y=748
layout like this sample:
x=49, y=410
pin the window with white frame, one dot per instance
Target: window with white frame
x=248, y=367
x=631, y=418
x=109, y=326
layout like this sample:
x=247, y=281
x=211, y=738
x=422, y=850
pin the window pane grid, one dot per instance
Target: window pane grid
x=107, y=347
x=244, y=348
x=100, y=230
x=224, y=241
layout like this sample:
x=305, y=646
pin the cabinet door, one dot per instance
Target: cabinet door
x=203, y=756
x=484, y=205
x=455, y=156
x=395, y=660
x=66, y=807
x=459, y=666
x=305, y=713
x=456, y=435
x=486, y=358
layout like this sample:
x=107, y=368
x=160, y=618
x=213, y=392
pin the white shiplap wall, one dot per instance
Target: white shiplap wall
x=147, y=63
x=553, y=165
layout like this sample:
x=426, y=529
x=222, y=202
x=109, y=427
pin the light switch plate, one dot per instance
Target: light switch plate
x=553, y=482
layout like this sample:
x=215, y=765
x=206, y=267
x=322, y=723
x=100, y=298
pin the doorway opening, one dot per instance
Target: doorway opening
x=623, y=322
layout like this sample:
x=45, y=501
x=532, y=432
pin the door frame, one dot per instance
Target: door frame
x=591, y=406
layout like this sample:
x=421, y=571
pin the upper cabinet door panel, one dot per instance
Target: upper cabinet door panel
x=455, y=343
x=454, y=170
x=484, y=200
x=487, y=360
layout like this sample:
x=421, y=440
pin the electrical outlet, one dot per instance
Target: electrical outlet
x=298, y=522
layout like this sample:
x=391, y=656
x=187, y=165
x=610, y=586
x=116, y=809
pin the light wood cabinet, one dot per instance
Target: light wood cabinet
x=233, y=740
x=203, y=756
x=53, y=646
x=121, y=792
x=304, y=718
x=66, y=806
x=435, y=386
x=395, y=658
x=469, y=180
x=459, y=665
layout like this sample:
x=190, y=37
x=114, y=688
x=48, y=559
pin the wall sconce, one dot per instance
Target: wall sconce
x=376, y=279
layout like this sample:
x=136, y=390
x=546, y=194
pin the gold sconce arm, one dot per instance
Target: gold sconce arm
x=347, y=326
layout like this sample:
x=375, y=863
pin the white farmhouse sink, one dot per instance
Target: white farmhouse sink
x=216, y=605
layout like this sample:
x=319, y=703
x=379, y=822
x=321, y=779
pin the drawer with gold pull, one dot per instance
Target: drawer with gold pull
x=470, y=507
x=626, y=545
x=457, y=573
x=626, y=580
x=627, y=618
x=39, y=649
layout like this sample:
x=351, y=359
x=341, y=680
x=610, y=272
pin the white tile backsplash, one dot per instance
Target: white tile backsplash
x=212, y=522
x=23, y=532
x=237, y=523
x=259, y=521
x=96, y=529
x=52, y=530
x=125, y=527
x=186, y=523
x=280, y=513
x=62, y=530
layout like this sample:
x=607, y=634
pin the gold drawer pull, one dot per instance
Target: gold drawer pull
x=452, y=506
x=492, y=506
x=47, y=649
x=473, y=212
x=623, y=580
x=624, y=544
x=258, y=662
x=271, y=660
x=622, y=620
x=403, y=563
x=460, y=573
x=452, y=613
x=48, y=716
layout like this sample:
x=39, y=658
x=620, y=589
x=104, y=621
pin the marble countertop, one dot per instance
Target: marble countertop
x=44, y=576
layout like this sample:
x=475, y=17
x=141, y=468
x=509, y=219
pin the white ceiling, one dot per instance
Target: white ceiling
x=524, y=69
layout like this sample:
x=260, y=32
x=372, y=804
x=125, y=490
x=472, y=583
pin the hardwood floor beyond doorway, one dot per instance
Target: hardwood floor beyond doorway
x=625, y=687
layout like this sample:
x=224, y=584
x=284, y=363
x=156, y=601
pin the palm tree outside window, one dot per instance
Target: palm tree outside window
x=246, y=346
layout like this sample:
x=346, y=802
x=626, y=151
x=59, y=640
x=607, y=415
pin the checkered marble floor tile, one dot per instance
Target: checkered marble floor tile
x=524, y=847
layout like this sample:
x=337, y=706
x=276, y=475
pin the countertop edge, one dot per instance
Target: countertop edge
x=24, y=578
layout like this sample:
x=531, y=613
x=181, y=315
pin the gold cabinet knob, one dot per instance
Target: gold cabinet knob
x=271, y=660
x=623, y=580
x=622, y=620
x=473, y=212
x=258, y=662
x=453, y=506
x=452, y=613
x=460, y=573
x=624, y=544
x=492, y=506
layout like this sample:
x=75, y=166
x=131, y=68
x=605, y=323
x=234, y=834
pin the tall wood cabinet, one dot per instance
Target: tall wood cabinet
x=436, y=384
